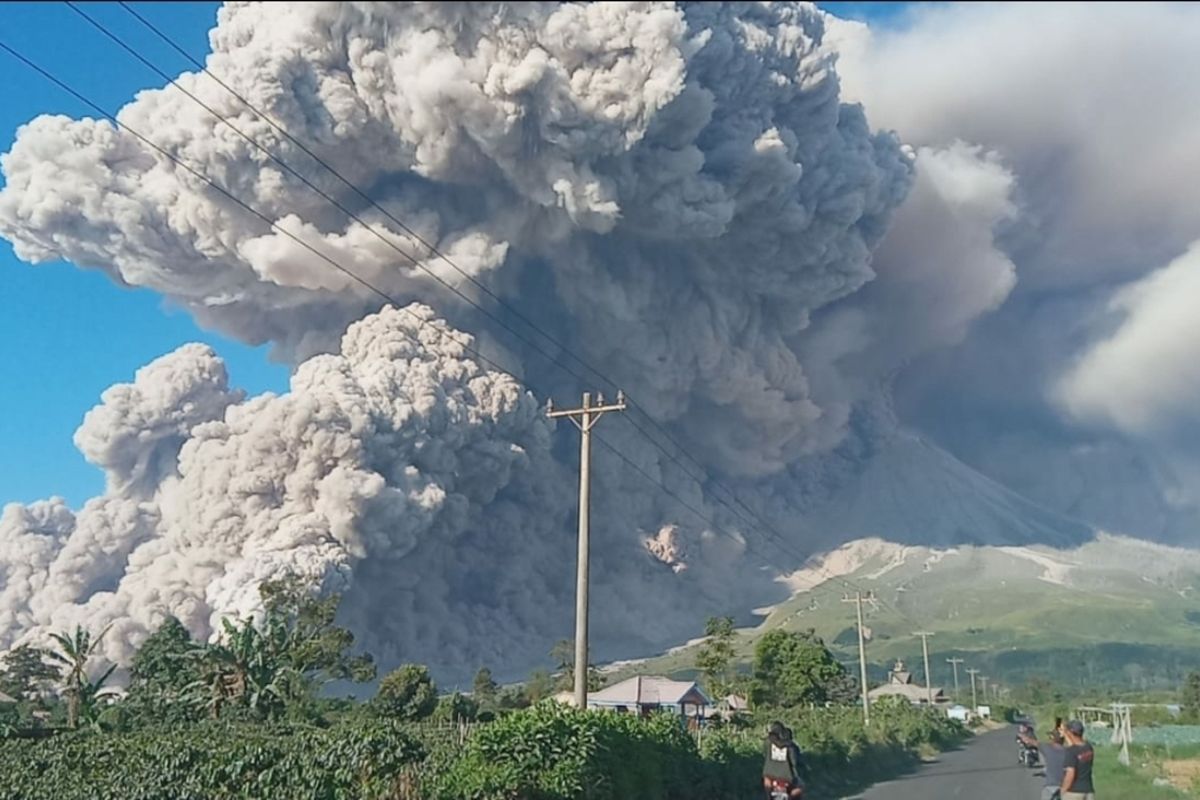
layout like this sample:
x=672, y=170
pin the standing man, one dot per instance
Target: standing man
x=1054, y=757
x=1077, y=772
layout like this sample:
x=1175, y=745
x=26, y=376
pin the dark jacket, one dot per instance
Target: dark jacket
x=782, y=761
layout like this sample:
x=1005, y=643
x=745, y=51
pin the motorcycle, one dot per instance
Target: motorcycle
x=779, y=789
x=1028, y=756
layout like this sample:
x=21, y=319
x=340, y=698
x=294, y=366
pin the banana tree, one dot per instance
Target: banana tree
x=248, y=667
x=83, y=694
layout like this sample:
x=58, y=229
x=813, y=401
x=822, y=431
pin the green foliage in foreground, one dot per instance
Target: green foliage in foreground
x=547, y=752
x=365, y=759
x=555, y=753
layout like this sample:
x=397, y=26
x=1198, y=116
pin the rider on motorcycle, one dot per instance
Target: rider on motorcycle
x=1028, y=754
x=782, y=764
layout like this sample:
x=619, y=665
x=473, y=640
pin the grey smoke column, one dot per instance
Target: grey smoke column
x=677, y=192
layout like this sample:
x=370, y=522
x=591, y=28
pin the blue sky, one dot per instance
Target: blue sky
x=67, y=334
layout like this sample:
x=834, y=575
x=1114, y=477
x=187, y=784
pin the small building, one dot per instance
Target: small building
x=959, y=712
x=6, y=699
x=901, y=684
x=732, y=705
x=646, y=694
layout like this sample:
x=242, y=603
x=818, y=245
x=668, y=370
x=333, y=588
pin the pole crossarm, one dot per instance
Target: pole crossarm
x=954, y=662
x=586, y=416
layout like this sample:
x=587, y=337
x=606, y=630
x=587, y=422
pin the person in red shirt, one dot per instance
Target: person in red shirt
x=1077, y=775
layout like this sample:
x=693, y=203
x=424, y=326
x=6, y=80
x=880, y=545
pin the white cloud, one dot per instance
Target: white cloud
x=1145, y=377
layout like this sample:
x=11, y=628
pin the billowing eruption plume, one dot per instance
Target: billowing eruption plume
x=677, y=193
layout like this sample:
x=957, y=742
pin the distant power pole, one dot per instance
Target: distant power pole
x=983, y=679
x=585, y=418
x=955, y=662
x=925, y=651
x=862, y=652
x=974, y=700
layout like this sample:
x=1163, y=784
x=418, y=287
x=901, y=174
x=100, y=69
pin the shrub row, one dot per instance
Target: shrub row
x=544, y=753
x=553, y=753
x=364, y=759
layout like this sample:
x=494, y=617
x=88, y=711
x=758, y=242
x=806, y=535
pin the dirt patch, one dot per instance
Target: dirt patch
x=1184, y=773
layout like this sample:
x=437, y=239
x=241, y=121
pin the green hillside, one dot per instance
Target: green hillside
x=1115, y=612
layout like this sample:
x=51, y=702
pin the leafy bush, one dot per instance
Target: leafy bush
x=550, y=752
x=364, y=761
x=554, y=753
x=455, y=708
x=9, y=719
x=842, y=755
x=547, y=752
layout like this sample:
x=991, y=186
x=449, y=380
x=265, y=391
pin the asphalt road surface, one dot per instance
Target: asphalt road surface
x=985, y=769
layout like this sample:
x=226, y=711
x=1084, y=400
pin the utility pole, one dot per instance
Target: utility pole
x=862, y=652
x=974, y=700
x=955, y=662
x=925, y=651
x=984, y=679
x=585, y=418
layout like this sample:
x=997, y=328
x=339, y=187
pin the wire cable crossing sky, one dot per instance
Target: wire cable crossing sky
x=849, y=299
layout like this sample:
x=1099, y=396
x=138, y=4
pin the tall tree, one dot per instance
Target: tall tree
x=484, y=688
x=25, y=672
x=302, y=626
x=164, y=661
x=563, y=656
x=82, y=693
x=163, y=670
x=406, y=693
x=716, y=655
x=539, y=686
x=792, y=669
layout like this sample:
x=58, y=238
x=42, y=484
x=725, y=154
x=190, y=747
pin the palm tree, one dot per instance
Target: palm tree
x=82, y=693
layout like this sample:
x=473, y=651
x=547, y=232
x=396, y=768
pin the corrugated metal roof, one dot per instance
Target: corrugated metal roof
x=6, y=698
x=648, y=690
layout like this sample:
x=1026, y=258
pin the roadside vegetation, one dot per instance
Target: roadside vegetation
x=252, y=715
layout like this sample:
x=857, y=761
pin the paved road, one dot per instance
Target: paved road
x=985, y=769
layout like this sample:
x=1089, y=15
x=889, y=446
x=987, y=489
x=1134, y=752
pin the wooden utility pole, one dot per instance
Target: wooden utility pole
x=925, y=651
x=862, y=653
x=585, y=418
x=955, y=662
x=974, y=700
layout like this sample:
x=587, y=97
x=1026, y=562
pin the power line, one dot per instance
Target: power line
x=756, y=520
x=391, y=217
x=332, y=262
x=762, y=524
x=416, y=262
